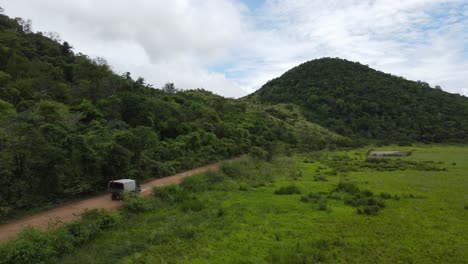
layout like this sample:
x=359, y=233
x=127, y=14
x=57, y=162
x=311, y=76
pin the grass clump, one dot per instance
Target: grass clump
x=320, y=178
x=132, y=203
x=171, y=194
x=385, y=195
x=306, y=252
x=364, y=200
x=286, y=190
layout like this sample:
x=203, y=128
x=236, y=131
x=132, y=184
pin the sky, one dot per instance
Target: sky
x=233, y=47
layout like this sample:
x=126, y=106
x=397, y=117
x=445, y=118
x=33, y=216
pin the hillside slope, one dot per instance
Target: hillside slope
x=355, y=100
x=68, y=124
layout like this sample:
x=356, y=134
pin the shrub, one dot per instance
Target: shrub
x=258, y=153
x=226, y=185
x=320, y=178
x=166, y=193
x=322, y=204
x=197, y=183
x=221, y=212
x=232, y=169
x=4, y=212
x=295, y=174
x=371, y=209
x=259, y=184
x=314, y=195
x=187, y=232
x=348, y=187
x=243, y=187
x=214, y=177
x=103, y=218
x=83, y=232
x=133, y=203
x=160, y=236
x=291, y=189
x=385, y=195
x=333, y=196
x=35, y=246
x=304, y=199
x=193, y=204
x=308, y=252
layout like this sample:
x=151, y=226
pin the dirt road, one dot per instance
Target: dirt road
x=72, y=211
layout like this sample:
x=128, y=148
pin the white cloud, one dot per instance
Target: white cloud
x=185, y=42
x=163, y=41
x=400, y=37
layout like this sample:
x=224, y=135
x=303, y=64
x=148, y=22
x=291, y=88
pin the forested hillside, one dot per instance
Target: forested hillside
x=355, y=100
x=68, y=124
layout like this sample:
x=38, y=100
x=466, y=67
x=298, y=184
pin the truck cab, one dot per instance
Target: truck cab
x=118, y=187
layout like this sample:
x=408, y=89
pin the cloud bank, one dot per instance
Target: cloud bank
x=233, y=47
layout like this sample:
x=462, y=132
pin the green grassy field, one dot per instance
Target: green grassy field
x=241, y=220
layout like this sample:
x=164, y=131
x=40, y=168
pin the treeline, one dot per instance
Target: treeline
x=68, y=124
x=355, y=100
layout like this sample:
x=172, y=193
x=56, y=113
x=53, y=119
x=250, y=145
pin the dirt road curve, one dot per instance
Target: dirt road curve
x=72, y=211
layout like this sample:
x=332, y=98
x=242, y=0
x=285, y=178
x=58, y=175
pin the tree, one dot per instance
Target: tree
x=25, y=25
x=66, y=48
x=169, y=88
x=53, y=36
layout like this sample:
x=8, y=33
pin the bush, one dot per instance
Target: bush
x=193, y=204
x=133, y=203
x=221, y=212
x=319, y=178
x=232, y=169
x=385, y=195
x=197, y=183
x=187, y=232
x=243, y=187
x=291, y=189
x=4, y=212
x=214, y=177
x=83, y=232
x=322, y=204
x=35, y=246
x=103, y=218
x=226, y=185
x=258, y=153
x=308, y=252
x=315, y=196
x=333, y=196
x=348, y=187
x=371, y=209
x=171, y=193
x=160, y=236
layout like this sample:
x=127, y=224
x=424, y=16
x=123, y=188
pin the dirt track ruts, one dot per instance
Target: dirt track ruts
x=72, y=211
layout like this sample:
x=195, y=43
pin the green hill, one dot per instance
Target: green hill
x=68, y=124
x=355, y=100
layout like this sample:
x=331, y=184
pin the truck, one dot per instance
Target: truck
x=118, y=187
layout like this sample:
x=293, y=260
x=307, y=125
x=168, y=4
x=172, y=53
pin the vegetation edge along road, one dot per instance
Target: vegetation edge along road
x=72, y=211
